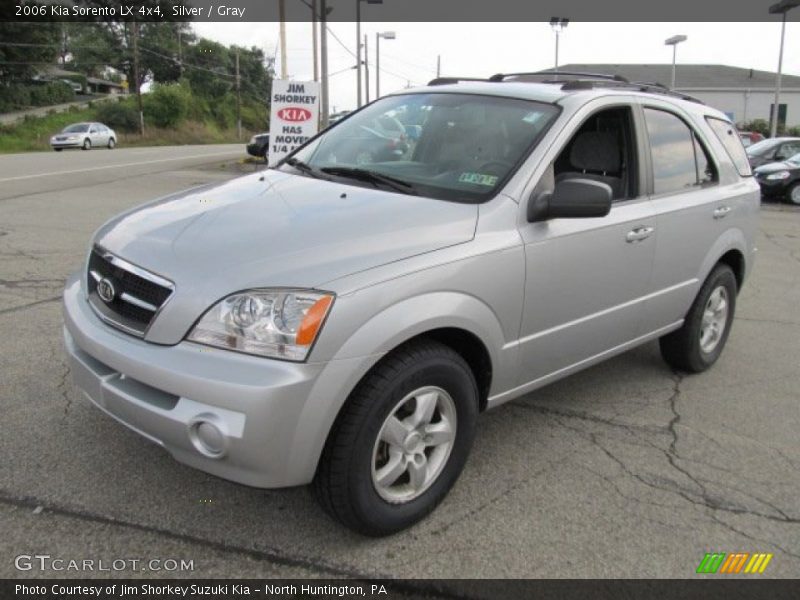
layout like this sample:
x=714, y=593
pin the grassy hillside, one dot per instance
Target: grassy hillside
x=173, y=116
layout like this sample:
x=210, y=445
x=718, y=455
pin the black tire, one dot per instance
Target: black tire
x=793, y=194
x=58, y=149
x=87, y=144
x=682, y=348
x=343, y=483
x=111, y=143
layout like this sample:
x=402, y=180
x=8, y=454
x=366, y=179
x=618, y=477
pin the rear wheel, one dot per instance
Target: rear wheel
x=111, y=143
x=699, y=342
x=87, y=144
x=793, y=195
x=401, y=440
x=58, y=149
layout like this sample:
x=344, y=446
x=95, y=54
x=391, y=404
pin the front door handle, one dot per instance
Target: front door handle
x=639, y=234
x=721, y=212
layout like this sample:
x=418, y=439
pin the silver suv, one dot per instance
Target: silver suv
x=343, y=318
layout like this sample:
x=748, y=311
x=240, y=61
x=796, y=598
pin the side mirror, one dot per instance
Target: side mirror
x=572, y=199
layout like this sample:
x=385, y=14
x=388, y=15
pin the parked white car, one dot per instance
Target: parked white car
x=84, y=136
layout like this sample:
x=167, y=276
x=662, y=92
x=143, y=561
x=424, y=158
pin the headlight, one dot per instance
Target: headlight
x=275, y=323
x=779, y=175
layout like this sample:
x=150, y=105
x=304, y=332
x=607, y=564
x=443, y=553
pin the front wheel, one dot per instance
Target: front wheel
x=401, y=440
x=699, y=342
x=87, y=144
x=793, y=195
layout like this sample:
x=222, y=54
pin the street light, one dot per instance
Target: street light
x=358, y=42
x=558, y=24
x=387, y=35
x=780, y=8
x=674, y=41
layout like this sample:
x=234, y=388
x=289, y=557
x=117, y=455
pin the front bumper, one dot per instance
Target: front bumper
x=255, y=150
x=772, y=187
x=75, y=144
x=271, y=417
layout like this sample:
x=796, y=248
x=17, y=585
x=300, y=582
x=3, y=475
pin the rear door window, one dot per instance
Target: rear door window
x=673, y=152
x=726, y=133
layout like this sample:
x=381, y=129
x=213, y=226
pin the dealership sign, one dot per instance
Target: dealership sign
x=294, y=116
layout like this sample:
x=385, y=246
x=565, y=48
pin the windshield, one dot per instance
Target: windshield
x=450, y=146
x=78, y=128
x=761, y=148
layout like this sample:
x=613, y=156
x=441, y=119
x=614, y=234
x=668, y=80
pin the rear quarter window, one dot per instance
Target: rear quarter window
x=727, y=134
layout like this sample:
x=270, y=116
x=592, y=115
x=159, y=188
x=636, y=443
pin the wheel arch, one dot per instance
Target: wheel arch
x=471, y=329
x=730, y=249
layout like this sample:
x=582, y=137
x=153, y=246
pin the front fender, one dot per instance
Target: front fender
x=380, y=334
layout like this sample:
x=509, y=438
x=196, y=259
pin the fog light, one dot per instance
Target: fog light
x=208, y=438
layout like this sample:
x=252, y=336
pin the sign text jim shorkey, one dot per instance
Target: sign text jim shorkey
x=234, y=590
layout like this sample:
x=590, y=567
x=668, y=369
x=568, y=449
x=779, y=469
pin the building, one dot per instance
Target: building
x=743, y=94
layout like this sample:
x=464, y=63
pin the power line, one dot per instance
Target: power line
x=341, y=43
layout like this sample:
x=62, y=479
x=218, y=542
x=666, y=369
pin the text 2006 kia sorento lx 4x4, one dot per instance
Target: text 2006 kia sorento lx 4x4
x=343, y=318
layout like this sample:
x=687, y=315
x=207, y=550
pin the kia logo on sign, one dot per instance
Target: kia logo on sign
x=291, y=113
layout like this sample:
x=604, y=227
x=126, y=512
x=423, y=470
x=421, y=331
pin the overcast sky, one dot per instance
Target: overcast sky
x=481, y=49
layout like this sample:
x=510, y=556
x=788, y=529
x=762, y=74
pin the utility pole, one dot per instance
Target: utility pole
x=136, y=75
x=781, y=8
x=323, y=48
x=63, y=45
x=366, y=68
x=438, y=65
x=238, y=100
x=282, y=16
x=314, y=37
x=358, y=53
x=180, y=51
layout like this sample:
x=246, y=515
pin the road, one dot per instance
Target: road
x=624, y=470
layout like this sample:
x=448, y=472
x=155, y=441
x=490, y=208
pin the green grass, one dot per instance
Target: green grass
x=33, y=133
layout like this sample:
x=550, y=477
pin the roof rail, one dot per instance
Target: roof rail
x=583, y=81
x=449, y=80
x=639, y=86
x=600, y=76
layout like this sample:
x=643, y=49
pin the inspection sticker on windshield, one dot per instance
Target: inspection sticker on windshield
x=478, y=178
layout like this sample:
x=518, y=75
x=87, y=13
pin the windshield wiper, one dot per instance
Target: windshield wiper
x=303, y=167
x=372, y=177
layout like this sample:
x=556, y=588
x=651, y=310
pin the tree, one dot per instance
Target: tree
x=110, y=42
x=211, y=73
x=35, y=46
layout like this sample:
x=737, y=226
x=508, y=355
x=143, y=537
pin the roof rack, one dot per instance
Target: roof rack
x=639, y=86
x=600, y=76
x=449, y=80
x=578, y=81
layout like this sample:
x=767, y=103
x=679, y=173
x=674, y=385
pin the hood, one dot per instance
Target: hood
x=274, y=229
x=774, y=167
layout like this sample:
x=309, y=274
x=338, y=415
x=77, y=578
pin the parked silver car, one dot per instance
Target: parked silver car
x=84, y=136
x=345, y=324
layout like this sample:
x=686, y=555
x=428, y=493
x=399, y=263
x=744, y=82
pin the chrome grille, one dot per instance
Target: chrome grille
x=133, y=295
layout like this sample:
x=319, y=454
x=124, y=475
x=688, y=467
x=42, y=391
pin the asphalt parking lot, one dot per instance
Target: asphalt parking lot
x=624, y=470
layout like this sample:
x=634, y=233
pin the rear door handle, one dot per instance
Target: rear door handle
x=721, y=212
x=639, y=234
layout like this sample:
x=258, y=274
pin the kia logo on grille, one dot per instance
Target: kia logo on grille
x=292, y=113
x=105, y=289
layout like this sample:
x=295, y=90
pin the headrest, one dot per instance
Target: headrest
x=595, y=151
